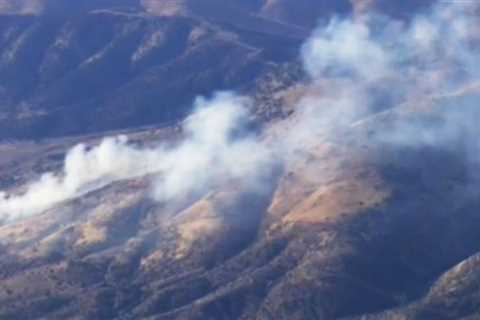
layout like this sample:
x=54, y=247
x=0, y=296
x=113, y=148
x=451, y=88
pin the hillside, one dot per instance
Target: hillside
x=107, y=69
x=323, y=242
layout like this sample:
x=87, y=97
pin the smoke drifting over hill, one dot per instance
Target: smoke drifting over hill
x=370, y=64
x=213, y=151
x=360, y=68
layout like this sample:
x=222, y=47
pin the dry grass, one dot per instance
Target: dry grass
x=337, y=200
x=91, y=234
x=331, y=180
x=199, y=221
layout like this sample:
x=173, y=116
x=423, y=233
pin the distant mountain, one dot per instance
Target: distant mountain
x=111, y=68
x=72, y=67
x=60, y=7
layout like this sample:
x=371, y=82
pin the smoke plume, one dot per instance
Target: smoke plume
x=214, y=150
x=369, y=64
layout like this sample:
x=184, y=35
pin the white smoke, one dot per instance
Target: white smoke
x=214, y=151
x=366, y=65
x=345, y=49
x=212, y=154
